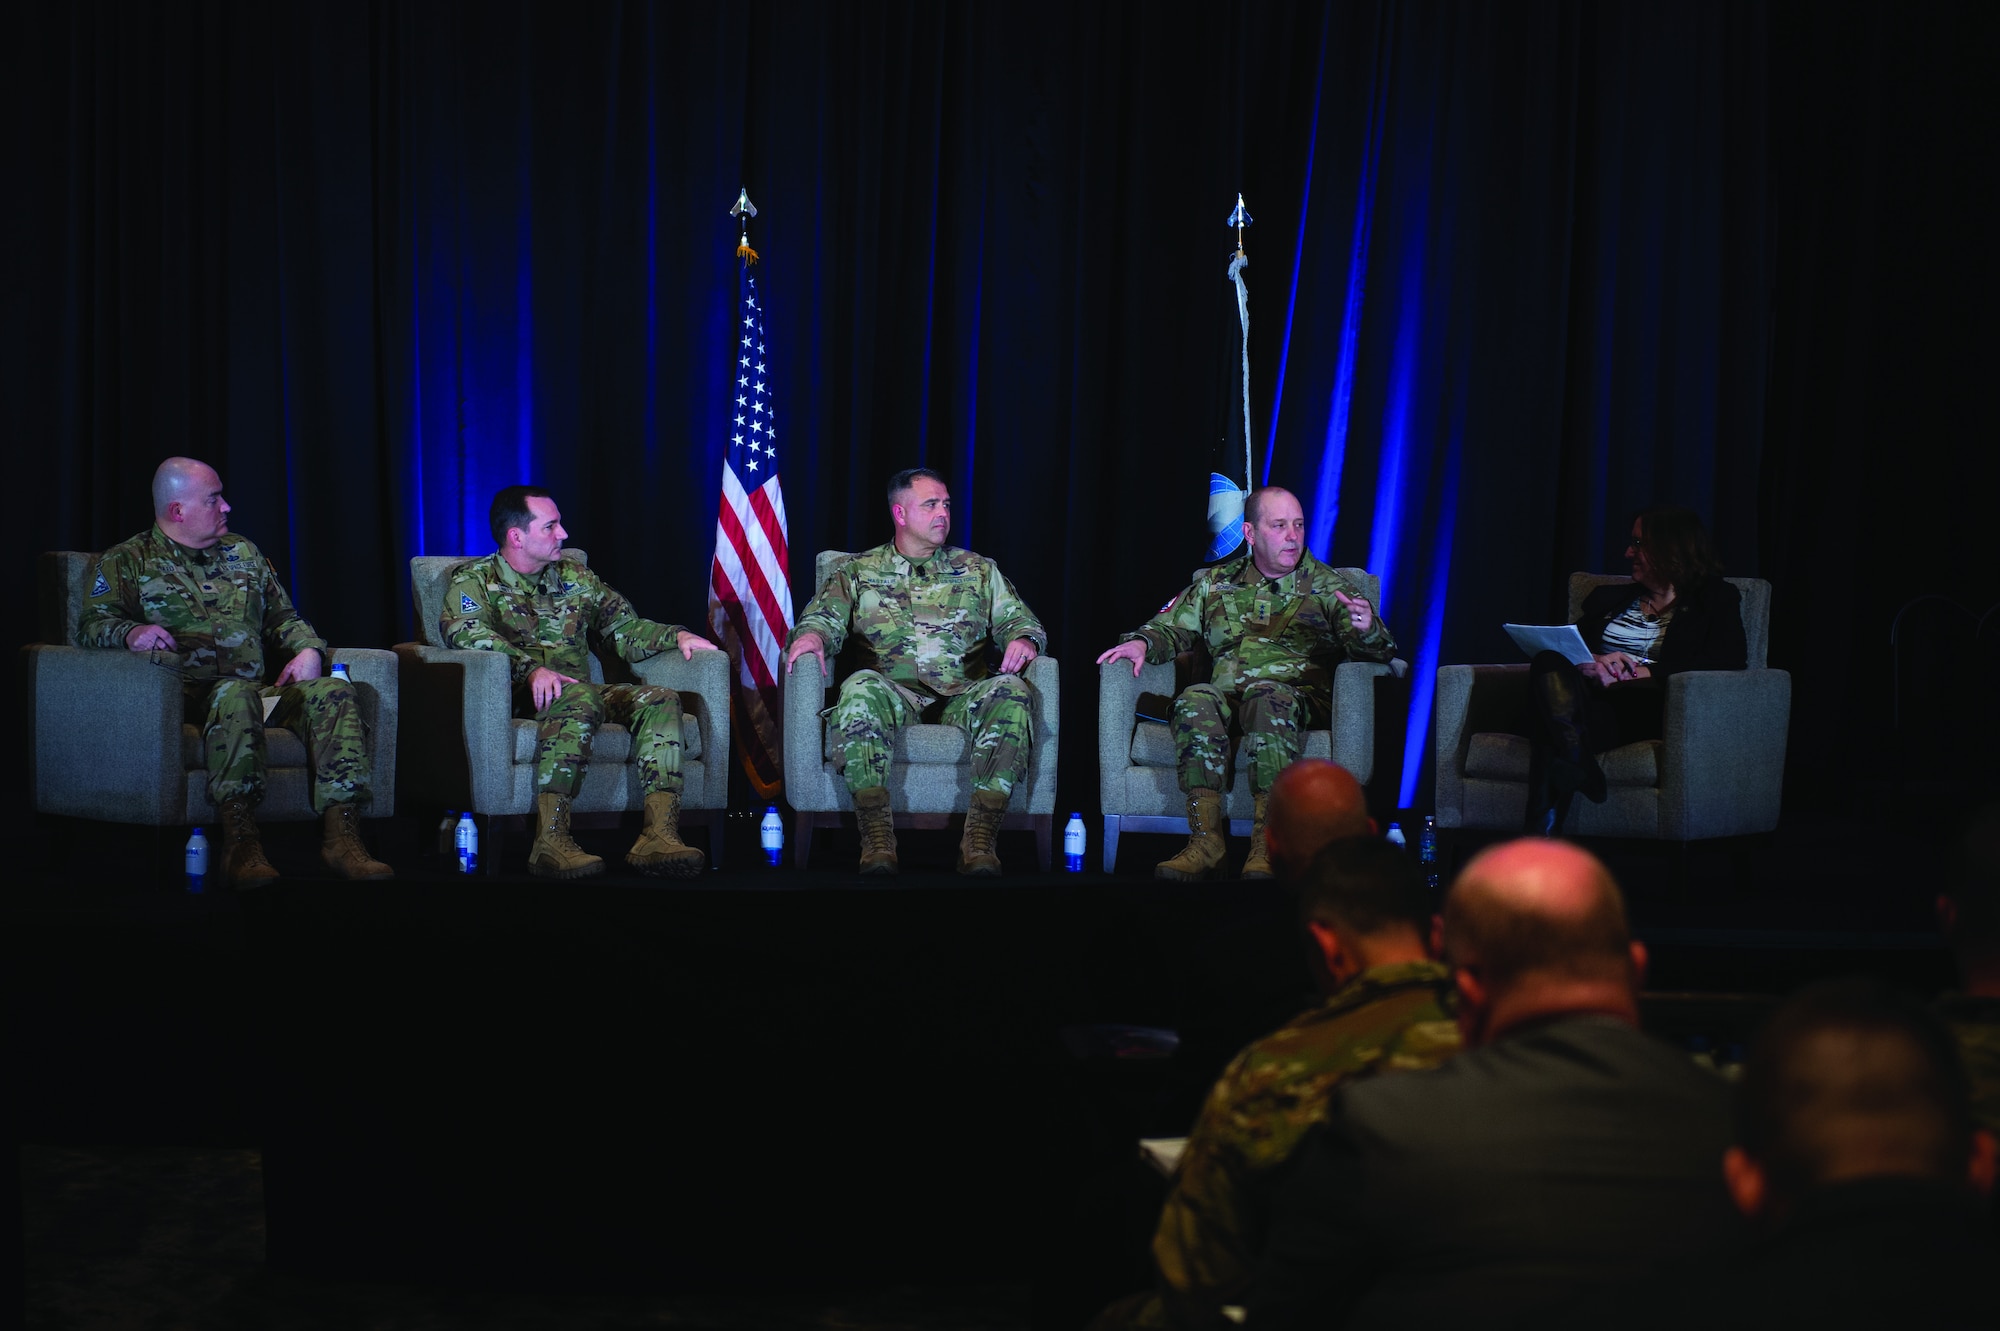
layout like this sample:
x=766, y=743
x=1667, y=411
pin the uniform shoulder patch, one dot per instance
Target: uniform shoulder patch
x=466, y=603
x=101, y=587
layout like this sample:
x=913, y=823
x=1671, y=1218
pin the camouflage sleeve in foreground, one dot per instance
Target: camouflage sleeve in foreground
x=830, y=610
x=1008, y=615
x=630, y=634
x=1176, y=629
x=1975, y=1024
x=1377, y=644
x=1214, y=1223
x=111, y=606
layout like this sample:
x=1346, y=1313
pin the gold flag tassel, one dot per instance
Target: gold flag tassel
x=744, y=211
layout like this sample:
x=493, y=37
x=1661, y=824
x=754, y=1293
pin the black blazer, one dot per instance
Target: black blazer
x=1706, y=632
x=1516, y=1178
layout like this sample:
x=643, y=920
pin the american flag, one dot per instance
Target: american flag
x=750, y=596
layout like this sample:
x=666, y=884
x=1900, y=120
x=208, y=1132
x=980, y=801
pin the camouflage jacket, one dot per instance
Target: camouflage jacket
x=1287, y=629
x=1975, y=1023
x=923, y=626
x=1212, y=1228
x=547, y=620
x=224, y=605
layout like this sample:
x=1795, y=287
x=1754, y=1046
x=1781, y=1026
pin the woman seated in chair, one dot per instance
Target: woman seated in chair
x=1676, y=614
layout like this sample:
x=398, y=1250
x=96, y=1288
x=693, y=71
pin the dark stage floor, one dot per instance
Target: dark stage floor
x=765, y=1098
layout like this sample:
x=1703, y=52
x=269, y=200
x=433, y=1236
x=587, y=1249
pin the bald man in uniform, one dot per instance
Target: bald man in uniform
x=1276, y=622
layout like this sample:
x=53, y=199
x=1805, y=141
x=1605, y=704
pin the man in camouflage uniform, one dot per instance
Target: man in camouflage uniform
x=920, y=614
x=1363, y=906
x=540, y=610
x=191, y=589
x=1276, y=622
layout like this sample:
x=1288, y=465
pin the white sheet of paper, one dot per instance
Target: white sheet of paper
x=1162, y=1153
x=1564, y=638
x=271, y=705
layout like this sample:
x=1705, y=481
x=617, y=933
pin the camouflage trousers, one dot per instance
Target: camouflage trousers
x=565, y=728
x=998, y=714
x=1272, y=717
x=325, y=712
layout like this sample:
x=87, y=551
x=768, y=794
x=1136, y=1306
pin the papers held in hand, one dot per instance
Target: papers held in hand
x=1564, y=638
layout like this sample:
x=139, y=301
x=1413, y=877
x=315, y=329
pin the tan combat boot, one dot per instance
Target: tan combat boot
x=243, y=862
x=977, y=857
x=555, y=854
x=1259, y=863
x=878, y=830
x=659, y=849
x=340, y=846
x=1202, y=856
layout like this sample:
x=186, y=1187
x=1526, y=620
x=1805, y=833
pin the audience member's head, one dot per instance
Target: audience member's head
x=1536, y=928
x=1969, y=906
x=1363, y=903
x=1312, y=804
x=1850, y=1080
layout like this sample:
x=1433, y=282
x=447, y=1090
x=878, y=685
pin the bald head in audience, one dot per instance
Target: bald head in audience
x=1537, y=928
x=1851, y=1080
x=1313, y=803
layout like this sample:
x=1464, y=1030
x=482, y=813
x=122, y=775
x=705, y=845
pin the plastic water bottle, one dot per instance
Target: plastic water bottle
x=197, y=861
x=771, y=835
x=340, y=671
x=1394, y=837
x=1427, y=849
x=467, y=841
x=1073, y=841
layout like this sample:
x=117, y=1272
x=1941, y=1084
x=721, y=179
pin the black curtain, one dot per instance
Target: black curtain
x=1516, y=271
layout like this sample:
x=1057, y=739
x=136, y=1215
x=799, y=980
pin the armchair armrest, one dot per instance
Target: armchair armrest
x=459, y=724
x=1117, y=713
x=1353, y=722
x=1469, y=698
x=1722, y=760
x=703, y=683
x=104, y=735
x=377, y=679
x=805, y=749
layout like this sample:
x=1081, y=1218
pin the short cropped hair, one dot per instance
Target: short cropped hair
x=1364, y=886
x=1678, y=546
x=908, y=477
x=1852, y=1072
x=510, y=510
x=1505, y=942
x=1253, y=503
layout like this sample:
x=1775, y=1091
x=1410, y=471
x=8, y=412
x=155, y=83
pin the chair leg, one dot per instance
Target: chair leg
x=1110, y=843
x=1045, y=838
x=802, y=839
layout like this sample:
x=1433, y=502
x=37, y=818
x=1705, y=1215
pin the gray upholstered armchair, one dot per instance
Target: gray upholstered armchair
x=1717, y=770
x=930, y=772
x=465, y=750
x=1136, y=764
x=109, y=739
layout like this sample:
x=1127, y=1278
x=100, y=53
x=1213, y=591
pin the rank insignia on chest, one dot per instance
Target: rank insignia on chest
x=1260, y=610
x=100, y=587
x=232, y=556
x=564, y=589
x=466, y=603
